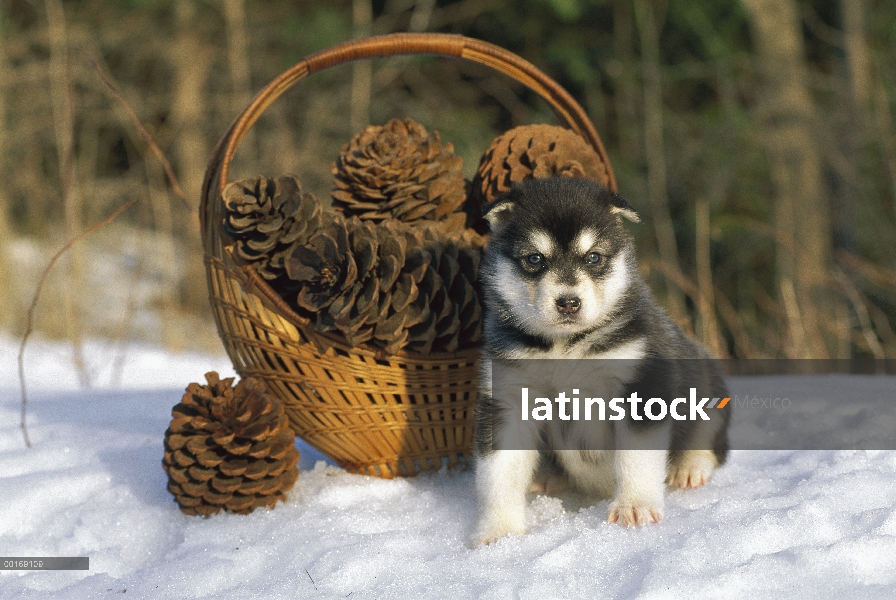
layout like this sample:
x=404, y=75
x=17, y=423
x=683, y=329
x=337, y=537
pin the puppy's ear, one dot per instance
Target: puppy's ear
x=619, y=206
x=498, y=214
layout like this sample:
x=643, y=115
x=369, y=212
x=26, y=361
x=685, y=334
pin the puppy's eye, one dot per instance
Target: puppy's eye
x=536, y=260
x=592, y=258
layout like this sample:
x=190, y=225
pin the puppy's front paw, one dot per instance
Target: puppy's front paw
x=549, y=484
x=488, y=533
x=634, y=514
x=693, y=470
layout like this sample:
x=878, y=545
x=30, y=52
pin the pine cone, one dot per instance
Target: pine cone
x=398, y=171
x=229, y=448
x=265, y=218
x=357, y=306
x=533, y=152
x=434, y=301
x=324, y=268
x=391, y=284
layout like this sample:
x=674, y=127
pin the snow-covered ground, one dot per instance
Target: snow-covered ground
x=771, y=524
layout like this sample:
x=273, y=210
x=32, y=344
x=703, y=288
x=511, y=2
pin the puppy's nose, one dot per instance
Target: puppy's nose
x=567, y=305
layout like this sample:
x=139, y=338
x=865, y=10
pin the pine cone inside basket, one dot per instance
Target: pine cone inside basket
x=229, y=448
x=391, y=284
x=399, y=171
x=325, y=268
x=435, y=304
x=533, y=152
x=265, y=218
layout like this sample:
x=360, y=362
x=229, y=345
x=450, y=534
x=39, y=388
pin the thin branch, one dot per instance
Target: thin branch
x=114, y=91
x=29, y=323
x=722, y=305
x=64, y=129
x=710, y=326
x=649, y=25
x=312, y=581
x=878, y=275
x=362, y=72
x=882, y=326
x=421, y=15
x=885, y=129
x=675, y=278
x=459, y=12
x=744, y=348
x=861, y=309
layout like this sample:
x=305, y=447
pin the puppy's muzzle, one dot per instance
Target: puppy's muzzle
x=568, y=305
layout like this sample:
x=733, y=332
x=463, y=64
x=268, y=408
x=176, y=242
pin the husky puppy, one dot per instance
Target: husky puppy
x=561, y=281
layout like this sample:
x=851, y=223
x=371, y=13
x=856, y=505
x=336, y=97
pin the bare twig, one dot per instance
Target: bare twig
x=744, y=348
x=861, y=309
x=114, y=91
x=885, y=130
x=649, y=26
x=29, y=323
x=459, y=12
x=64, y=127
x=876, y=274
x=681, y=281
x=362, y=71
x=710, y=326
x=396, y=18
x=421, y=15
x=124, y=331
x=884, y=329
x=238, y=61
x=312, y=581
x=796, y=336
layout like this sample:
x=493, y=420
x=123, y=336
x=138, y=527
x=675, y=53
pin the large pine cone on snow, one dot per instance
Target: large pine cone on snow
x=265, y=218
x=229, y=448
x=533, y=152
x=399, y=171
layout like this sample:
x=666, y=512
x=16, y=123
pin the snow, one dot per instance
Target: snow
x=771, y=524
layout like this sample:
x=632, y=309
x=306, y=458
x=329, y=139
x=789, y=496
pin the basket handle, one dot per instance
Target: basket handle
x=451, y=45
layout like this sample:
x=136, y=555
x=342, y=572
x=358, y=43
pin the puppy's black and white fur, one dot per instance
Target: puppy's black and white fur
x=560, y=281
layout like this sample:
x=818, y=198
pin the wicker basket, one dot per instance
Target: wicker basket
x=372, y=413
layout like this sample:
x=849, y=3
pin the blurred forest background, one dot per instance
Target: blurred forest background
x=755, y=137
